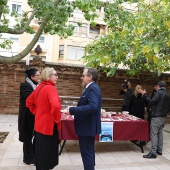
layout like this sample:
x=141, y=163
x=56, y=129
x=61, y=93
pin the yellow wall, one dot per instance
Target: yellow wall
x=50, y=47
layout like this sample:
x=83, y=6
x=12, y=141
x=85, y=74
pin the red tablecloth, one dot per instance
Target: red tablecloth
x=126, y=127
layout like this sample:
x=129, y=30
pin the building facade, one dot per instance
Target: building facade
x=54, y=48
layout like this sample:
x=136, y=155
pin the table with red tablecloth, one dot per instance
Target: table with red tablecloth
x=125, y=127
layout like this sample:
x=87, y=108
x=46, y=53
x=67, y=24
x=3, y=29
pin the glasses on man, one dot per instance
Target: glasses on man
x=83, y=75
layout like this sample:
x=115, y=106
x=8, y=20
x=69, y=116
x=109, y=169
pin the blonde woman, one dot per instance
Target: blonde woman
x=137, y=103
x=44, y=102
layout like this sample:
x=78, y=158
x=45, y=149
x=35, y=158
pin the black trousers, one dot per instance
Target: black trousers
x=28, y=152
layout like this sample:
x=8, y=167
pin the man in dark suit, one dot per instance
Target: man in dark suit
x=87, y=118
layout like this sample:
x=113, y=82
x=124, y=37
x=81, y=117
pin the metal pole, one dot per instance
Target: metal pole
x=27, y=64
x=28, y=61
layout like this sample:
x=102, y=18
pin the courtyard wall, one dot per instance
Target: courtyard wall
x=69, y=84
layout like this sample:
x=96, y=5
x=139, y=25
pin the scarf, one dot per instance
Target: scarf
x=31, y=83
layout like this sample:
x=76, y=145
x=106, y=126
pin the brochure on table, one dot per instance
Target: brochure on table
x=106, y=132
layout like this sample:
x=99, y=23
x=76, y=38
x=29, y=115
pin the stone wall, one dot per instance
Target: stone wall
x=69, y=84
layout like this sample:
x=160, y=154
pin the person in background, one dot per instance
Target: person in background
x=25, y=117
x=160, y=106
x=137, y=103
x=149, y=106
x=44, y=102
x=87, y=117
x=137, y=106
x=126, y=91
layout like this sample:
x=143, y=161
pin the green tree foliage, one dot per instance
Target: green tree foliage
x=137, y=39
x=52, y=16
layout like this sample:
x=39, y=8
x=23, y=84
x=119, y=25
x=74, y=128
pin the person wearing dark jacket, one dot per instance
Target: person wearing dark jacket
x=149, y=107
x=137, y=103
x=126, y=91
x=160, y=106
x=25, y=117
x=87, y=117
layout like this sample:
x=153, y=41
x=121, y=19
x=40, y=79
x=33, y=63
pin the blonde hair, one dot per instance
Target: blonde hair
x=136, y=89
x=45, y=74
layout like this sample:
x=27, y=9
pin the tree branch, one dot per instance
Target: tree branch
x=18, y=57
x=21, y=31
x=3, y=4
x=1, y=7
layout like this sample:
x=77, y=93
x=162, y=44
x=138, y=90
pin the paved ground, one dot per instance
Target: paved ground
x=109, y=156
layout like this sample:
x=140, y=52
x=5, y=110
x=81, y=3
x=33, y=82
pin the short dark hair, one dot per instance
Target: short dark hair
x=156, y=83
x=31, y=72
x=92, y=72
x=161, y=83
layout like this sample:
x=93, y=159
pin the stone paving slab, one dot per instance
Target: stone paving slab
x=117, y=155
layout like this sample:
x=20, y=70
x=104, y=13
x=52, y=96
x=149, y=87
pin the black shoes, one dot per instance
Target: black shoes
x=143, y=143
x=149, y=156
x=159, y=153
x=29, y=162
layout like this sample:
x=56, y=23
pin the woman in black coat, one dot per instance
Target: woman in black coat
x=26, y=118
x=137, y=104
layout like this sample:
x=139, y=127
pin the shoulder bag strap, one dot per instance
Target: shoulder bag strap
x=39, y=90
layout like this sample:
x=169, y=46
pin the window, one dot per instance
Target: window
x=94, y=32
x=75, y=30
x=80, y=30
x=41, y=39
x=74, y=52
x=16, y=8
x=14, y=39
x=83, y=30
x=61, y=51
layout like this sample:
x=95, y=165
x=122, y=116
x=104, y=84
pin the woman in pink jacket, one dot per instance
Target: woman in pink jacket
x=44, y=102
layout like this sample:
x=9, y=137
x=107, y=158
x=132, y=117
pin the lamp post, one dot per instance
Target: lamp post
x=28, y=61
